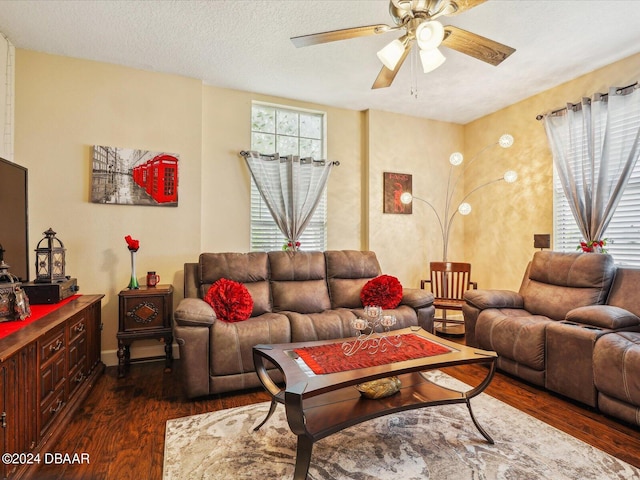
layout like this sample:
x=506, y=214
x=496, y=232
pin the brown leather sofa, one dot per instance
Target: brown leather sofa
x=564, y=328
x=297, y=296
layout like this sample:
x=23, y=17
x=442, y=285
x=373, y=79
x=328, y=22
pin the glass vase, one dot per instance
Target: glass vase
x=133, y=283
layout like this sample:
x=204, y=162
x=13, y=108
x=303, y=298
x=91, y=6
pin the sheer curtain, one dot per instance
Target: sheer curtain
x=291, y=188
x=595, y=146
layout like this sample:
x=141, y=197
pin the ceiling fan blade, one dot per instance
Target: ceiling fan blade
x=464, y=5
x=335, y=35
x=386, y=76
x=476, y=46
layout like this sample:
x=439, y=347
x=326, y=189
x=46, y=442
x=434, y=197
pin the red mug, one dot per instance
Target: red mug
x=152, y=279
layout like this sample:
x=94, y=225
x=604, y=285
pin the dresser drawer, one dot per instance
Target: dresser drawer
x=52, y=343
x=52, y=376
x=77, y=375
x=50, y=409
x=77, y=327
x=144, y=314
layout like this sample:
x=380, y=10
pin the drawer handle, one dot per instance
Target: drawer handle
x=79, y=328
x=57, y=346
x=79, y=377
x=53, y=410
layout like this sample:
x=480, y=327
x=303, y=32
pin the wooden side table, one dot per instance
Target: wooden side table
x=144, y=313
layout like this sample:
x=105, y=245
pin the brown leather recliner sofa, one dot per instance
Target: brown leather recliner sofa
x=567, y=329
x=297, y=296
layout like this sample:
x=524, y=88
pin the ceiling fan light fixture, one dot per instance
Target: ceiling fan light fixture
x=431, y=59
x=391, y=54
x=429, y=35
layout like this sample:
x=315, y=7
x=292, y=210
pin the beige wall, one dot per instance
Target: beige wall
x=499, y=233
x=405, y=244
x=225, y=177
x=63, y=107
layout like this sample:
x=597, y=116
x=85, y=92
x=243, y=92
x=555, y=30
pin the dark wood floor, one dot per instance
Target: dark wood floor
x=122, y=423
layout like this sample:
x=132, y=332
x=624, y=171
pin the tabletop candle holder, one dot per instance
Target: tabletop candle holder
x=373, y=333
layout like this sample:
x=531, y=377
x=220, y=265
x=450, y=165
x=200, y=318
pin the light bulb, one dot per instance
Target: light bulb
x=456, y=158
x=464, y=209
x=510, y=176
x=431, y=59
x=406, y=198
x=506, y=140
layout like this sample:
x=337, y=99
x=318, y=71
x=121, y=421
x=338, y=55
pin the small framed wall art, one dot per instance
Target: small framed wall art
x=134, y=177
x=395, y=184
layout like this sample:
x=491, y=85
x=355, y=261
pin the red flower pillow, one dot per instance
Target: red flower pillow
x=231, y=300
x=383, y=291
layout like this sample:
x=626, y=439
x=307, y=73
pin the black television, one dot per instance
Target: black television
x=14, y=218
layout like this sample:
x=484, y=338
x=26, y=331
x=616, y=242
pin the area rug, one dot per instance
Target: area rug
x=437, y=443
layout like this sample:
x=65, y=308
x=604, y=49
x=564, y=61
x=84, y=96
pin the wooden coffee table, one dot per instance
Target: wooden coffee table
x=318, y=405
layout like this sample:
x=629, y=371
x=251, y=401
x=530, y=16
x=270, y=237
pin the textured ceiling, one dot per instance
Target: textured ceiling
x=245, y=45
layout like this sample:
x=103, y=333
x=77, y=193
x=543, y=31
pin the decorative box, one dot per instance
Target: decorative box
x=14, y=303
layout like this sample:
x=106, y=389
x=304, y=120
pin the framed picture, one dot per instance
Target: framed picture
x=395, y=184
x=134, y=177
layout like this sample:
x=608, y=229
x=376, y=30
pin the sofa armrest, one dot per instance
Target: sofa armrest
x=416, y=298
x=483, y=299
x=603, y=316
x=194, y=312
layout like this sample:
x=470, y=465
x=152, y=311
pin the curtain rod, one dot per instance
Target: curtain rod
x=618, y=90
x=273, y=156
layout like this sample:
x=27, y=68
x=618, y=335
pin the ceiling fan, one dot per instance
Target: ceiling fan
x=417, y=18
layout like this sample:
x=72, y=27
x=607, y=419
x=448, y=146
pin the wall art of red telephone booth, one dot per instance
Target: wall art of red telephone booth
x=135, y=177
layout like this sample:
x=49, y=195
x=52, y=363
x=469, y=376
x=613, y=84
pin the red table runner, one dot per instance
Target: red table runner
x=330, y=358
x=37, y=312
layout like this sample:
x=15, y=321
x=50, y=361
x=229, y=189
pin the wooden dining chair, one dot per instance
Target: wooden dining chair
x=449, y=281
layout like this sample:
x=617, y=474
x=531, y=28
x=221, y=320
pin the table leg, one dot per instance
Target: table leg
x=478, y=426
x=168, y=352
x=272, y=409
x=477, y=391
x=303, y=457
x=121, y=359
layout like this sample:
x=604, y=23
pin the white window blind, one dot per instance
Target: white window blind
x=286, y=131
x=623, y=232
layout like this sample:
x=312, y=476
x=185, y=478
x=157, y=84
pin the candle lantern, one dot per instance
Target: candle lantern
x=50, y=262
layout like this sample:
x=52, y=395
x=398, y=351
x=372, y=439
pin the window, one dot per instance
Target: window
x=286, y=131
x=623, y=232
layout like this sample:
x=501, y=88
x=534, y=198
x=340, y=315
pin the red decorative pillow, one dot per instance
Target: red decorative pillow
x=383, y=291
x=231, y=300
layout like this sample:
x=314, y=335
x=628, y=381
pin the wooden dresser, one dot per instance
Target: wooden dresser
x=47, y=369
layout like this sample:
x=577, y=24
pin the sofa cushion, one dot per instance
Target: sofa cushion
x=624, y=291
x=559, y=282
x=616, y=362
x=513, y=334
x=326, y=325
x=384, y=291
x=232, y=344
x=309, y=296
x=603, y=316
x=347, y=272
x=230, y=300
x=250, y=269
x=345, y=292
x=298, y=282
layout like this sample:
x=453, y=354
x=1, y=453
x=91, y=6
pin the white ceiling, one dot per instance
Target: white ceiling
x=244, y=44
